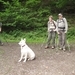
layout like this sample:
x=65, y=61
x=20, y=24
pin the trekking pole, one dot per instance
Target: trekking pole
x=56, y=43
x=68, y=45
x=44, y=41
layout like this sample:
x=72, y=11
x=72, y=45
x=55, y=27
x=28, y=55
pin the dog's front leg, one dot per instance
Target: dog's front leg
x=25, y=58
x=21, y=58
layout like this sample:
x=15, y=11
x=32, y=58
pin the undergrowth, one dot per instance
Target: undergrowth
x=34, y=36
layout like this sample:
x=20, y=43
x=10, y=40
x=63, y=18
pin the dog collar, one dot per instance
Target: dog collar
x=23, y=45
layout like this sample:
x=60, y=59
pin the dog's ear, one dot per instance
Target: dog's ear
x=25, y=39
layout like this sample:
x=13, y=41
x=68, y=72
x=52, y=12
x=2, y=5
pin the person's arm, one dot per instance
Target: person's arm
x=0, y=29
x=66, y=25
x=48, y=26
x=55, y=25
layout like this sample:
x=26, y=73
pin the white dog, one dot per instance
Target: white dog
x=26, y=52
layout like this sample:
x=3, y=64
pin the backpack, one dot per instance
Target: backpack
x=54, y=24
x=60, y=22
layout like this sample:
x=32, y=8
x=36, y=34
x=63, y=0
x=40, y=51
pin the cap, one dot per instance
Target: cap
x=60, y=14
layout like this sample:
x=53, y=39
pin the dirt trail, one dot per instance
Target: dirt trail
x=48, y=61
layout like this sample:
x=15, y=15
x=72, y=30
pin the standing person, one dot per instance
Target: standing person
x=0, y=32
x=51, y=32
x=62, y=28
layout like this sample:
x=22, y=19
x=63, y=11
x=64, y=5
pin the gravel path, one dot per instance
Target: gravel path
x=47, y=62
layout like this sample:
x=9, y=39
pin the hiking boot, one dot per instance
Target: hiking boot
x=53, y=47
x=60, y=48
x=64, y=49
x=46, y=47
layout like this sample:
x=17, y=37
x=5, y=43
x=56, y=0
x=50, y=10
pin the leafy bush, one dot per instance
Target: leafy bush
x=71, y=33
x=25, y=17
x=29, y=18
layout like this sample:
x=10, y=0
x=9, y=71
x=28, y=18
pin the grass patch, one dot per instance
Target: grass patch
x=35, y=36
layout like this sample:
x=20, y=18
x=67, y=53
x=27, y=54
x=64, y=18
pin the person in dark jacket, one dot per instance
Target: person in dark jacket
x=0, y=33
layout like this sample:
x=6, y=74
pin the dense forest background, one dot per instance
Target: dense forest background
x=31, y=16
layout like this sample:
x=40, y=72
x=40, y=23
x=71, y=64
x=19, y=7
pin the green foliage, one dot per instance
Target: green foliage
x=32, y=14
x=66, y=6
x=71, y=32
x=24, y=17
x=38, y=35
x=61, y=3
x=29, y=17
x=32, y=3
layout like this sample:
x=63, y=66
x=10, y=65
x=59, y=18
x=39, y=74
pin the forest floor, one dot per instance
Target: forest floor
x=47, y=62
